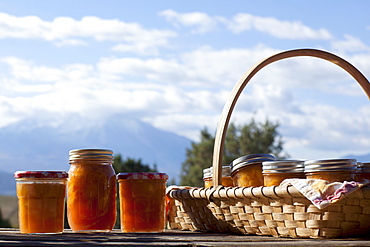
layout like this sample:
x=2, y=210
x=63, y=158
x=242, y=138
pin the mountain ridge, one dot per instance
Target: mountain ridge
x=41, y=147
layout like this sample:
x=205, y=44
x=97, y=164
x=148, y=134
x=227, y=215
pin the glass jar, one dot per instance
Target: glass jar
x=91, y=198
x=246, y=171
x=41, y=200
x=363, y=171
x=274, y=172
x=142, y=201
x=331, y=170
x=226, y=179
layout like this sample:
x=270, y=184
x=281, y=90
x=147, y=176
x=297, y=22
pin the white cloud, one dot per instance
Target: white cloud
x=350, y=44
x=202, y=22
x=27, y=70
x=68, y=31
x=274, y=27
x=186, y=92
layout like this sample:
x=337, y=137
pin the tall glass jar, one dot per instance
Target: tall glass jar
x=41, y=200
x=91, y=198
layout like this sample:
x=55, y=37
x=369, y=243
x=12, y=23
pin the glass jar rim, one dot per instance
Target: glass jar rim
x=142, y=175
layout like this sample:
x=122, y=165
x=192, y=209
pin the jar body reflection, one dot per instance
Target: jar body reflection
x=91, y=196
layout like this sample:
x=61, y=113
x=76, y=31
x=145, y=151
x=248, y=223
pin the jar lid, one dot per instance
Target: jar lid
x=250, y=159
x=330, y=165
x=41, y=174
x=283, y=166
x=364, y=166
x=208, y=172
x=142, y=175
x=90, y=154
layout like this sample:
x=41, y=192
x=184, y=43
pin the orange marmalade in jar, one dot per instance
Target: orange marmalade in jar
x=274, y=172
x=246, y=171
x=41, y=197
x=91, y=199
x=226, y=180
x=363, y=171
x=142, y=201
x=331, y=170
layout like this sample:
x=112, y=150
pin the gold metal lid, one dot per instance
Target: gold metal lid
x=283, y=166
x=77, y=154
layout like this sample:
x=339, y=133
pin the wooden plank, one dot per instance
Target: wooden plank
x=12, y=237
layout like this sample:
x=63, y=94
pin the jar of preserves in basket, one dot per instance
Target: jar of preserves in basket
x=331, y=170
x=363, y=171
x=274, y=172
x=226, y=179
x=246, y=171
x=91, y=200
x=41, y=200
x=142, y=201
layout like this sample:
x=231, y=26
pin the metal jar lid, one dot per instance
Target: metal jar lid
x=78, y=154
x=283, y=166
x=250, y=159
x=208, y=172
x=330, y=165
x=363, y=167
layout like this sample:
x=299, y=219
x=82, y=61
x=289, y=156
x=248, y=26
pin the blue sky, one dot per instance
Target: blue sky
x=173, y=64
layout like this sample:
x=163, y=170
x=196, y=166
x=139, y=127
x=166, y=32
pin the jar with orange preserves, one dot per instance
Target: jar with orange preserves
x=142, y=201
x=331, y=170
x=41, y=200
x=91, y=198
x=226, y=180
x=274, y=172
x=363, y=171
x=246, y=171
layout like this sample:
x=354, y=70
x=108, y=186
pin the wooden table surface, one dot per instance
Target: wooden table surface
x=12, y=237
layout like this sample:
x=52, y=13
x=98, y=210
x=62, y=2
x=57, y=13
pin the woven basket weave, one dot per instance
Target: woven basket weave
x=275, y=211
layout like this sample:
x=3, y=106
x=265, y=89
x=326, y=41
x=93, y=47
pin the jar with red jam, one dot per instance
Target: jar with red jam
x=274, y=172
x=246, y=171
x=226, y=179
x=331, y=170
x=91, y=198
x=142, y=201
x=41, y=200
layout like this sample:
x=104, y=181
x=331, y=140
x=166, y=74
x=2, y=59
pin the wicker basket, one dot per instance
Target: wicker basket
x=276, y=211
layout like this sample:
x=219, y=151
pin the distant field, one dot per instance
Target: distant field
x=9, y=209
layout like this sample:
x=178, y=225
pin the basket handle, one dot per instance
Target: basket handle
x=238, y=88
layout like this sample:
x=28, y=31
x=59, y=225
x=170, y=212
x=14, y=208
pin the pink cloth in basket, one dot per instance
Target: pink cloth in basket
x=322, y=193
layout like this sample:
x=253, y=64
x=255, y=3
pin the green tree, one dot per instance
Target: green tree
x=131, y=165
x=240, y=140
x=199, y=157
